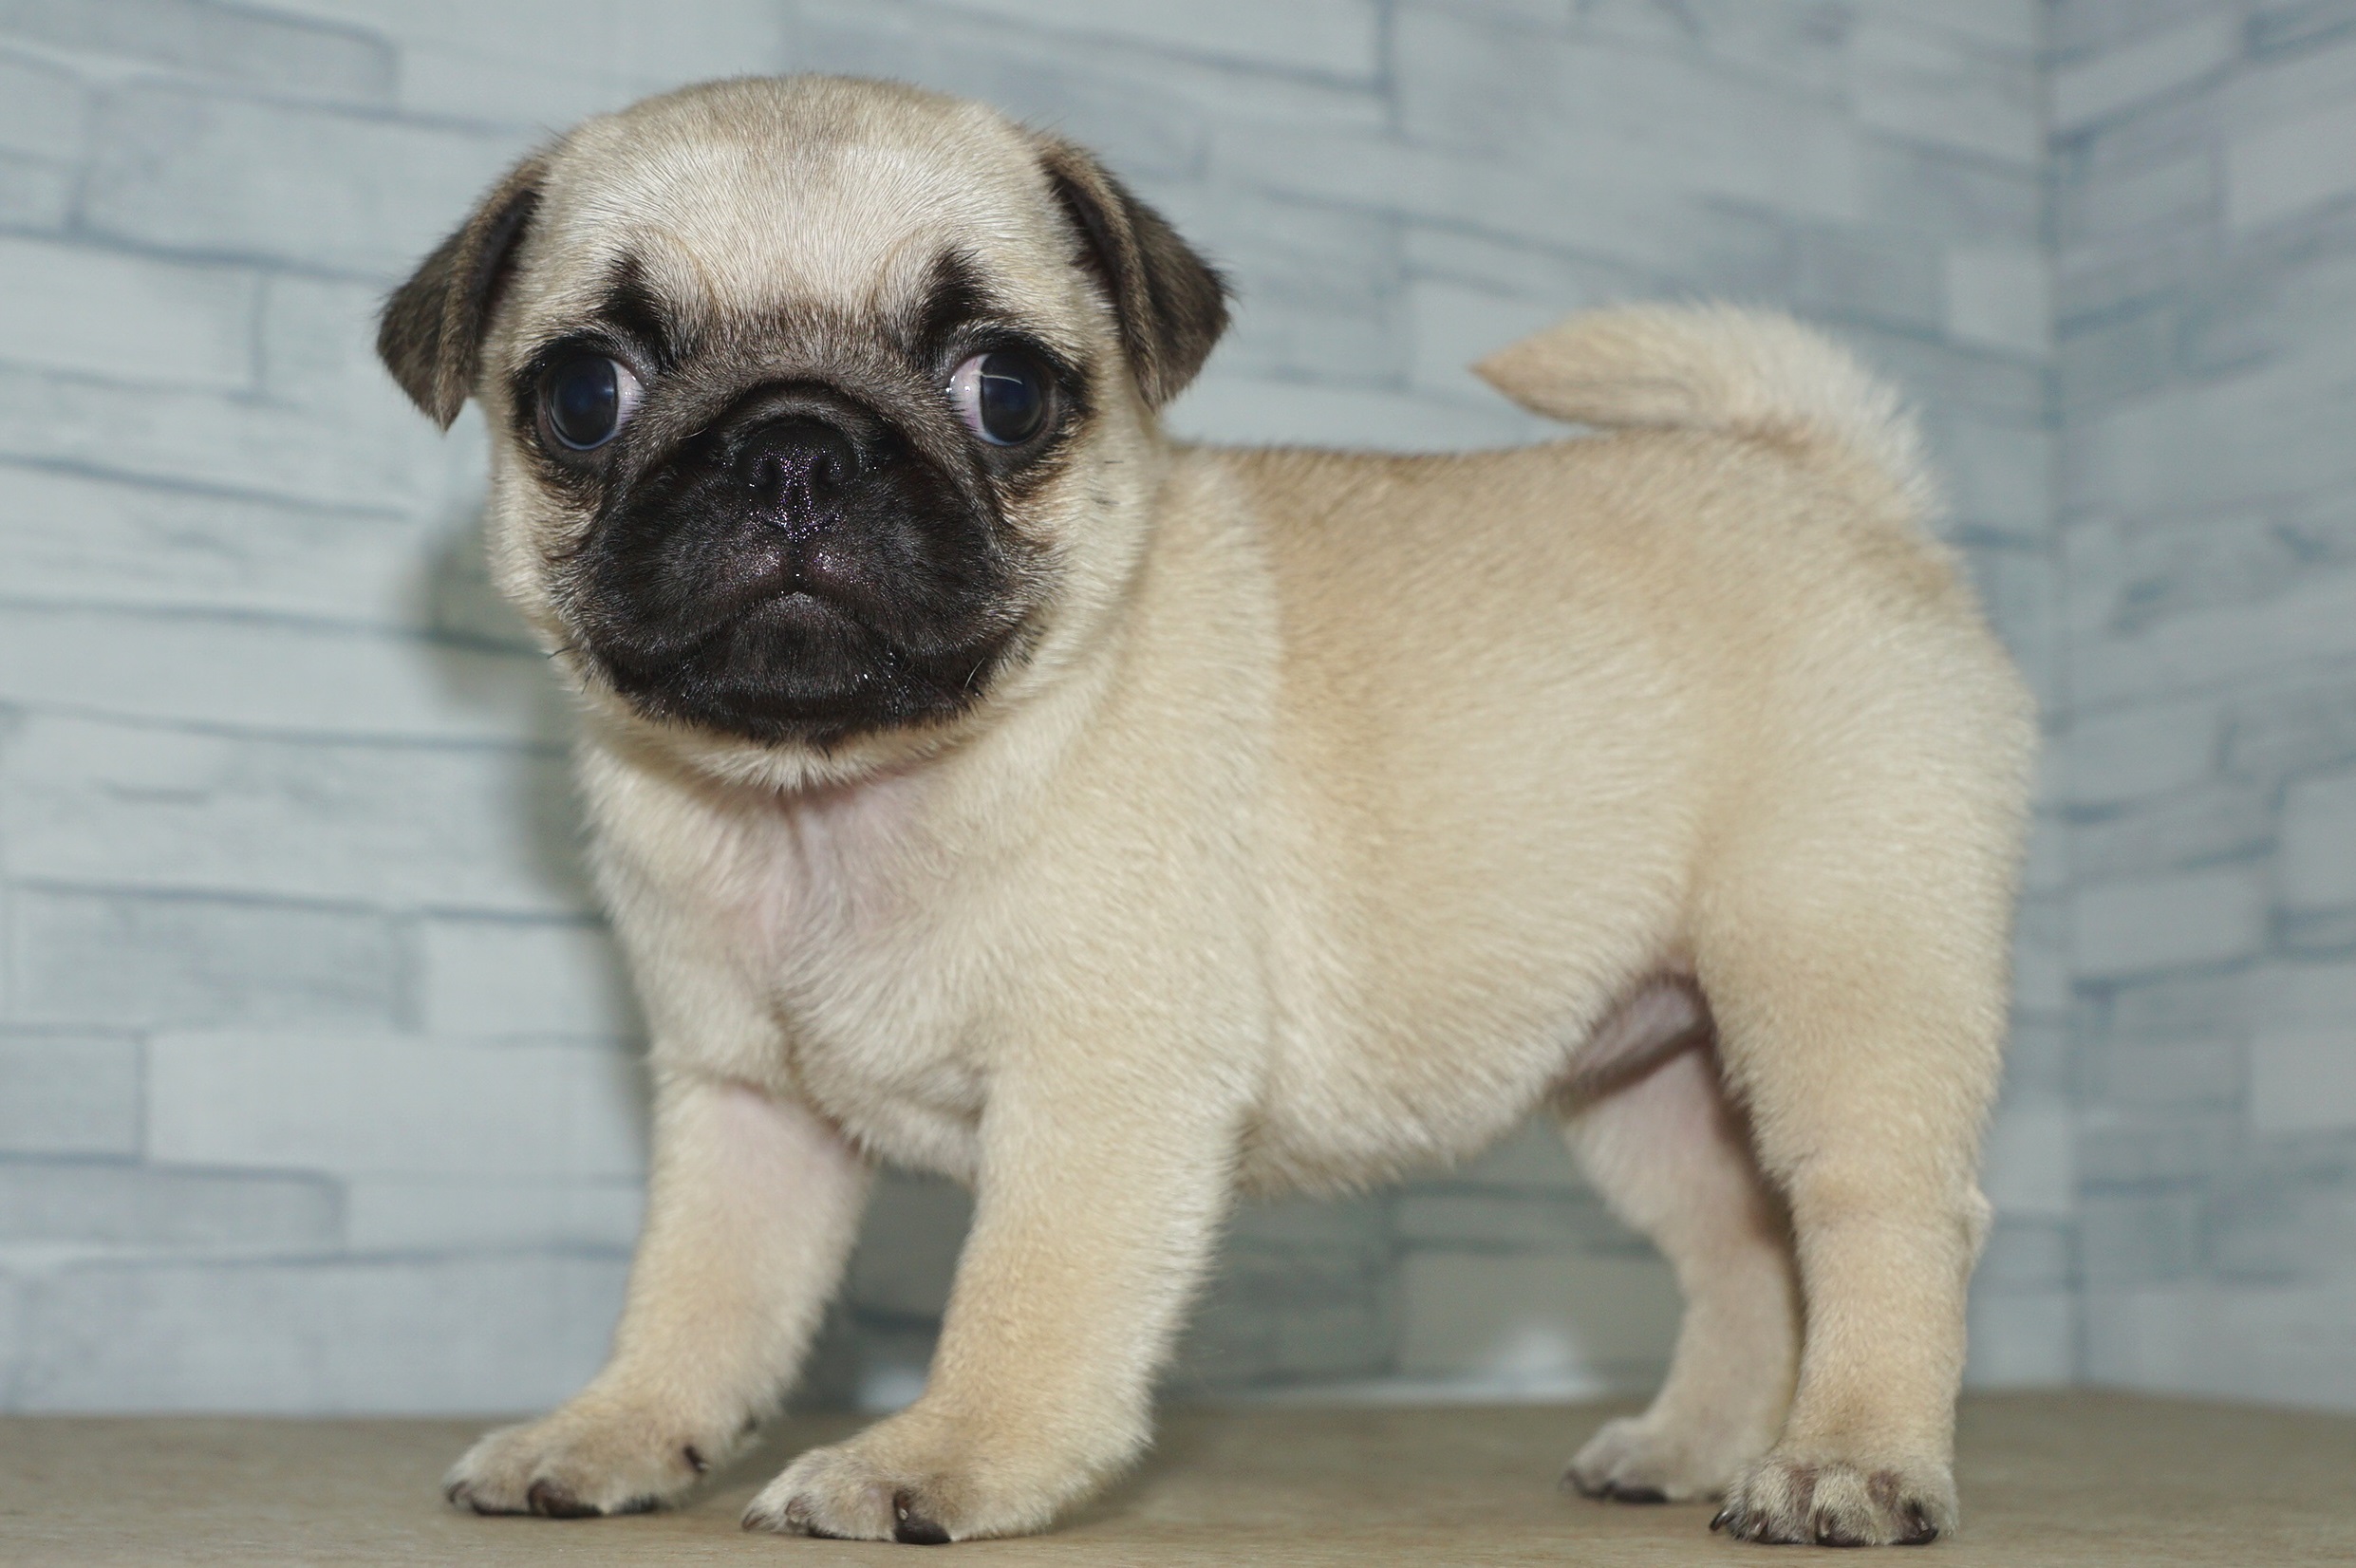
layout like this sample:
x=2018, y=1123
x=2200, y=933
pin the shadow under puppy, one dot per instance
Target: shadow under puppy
x=983, y=781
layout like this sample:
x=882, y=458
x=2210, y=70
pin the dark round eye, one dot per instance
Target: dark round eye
x=585, y=398
x=1001, y=397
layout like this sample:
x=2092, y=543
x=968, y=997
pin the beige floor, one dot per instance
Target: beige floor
x=2047, y=1479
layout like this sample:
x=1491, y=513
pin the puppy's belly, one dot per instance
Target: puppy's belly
x=1348, y=1114
x=1351, y=1112
x=1663, y=1015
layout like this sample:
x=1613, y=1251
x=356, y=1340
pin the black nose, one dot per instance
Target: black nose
x=796, y=468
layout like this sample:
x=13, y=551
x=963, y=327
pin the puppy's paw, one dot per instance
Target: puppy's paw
x=589, y=1459
x=1789, y=1499
x=1631, y=1460
x=914, y=1480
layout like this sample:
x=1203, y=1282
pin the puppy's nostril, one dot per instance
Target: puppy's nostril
x=797, y=464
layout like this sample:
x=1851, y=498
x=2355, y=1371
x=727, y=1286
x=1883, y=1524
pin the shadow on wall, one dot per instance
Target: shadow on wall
x=455, y=600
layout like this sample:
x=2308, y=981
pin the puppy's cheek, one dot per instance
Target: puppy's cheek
x=526, y=538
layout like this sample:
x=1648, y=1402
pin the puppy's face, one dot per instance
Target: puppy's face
x=811, y=400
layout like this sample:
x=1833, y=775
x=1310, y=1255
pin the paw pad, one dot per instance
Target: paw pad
x=550, y=1500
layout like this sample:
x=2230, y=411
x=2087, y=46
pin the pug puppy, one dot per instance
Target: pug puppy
x=985, y=782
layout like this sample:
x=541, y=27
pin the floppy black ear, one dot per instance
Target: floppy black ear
x=430, y=335
x=1170, y=303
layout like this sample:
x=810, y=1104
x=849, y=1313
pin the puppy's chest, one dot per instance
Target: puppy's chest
x=870, y=963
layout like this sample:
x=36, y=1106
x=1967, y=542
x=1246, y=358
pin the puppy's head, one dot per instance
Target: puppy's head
x=820, y=409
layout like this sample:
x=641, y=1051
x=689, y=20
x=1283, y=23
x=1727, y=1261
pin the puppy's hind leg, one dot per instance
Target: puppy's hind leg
x=1859, y=994
x=1672, y=1158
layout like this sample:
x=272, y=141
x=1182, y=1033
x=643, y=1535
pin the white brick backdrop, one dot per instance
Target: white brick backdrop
x=2204, y=158
x=315, y=1078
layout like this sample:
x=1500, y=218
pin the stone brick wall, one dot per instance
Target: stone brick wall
x=318, y=1089
x=2204, y=158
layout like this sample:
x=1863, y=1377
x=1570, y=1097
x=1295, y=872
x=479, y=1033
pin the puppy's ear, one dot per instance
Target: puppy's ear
x=430, y=335
x=1170, y=303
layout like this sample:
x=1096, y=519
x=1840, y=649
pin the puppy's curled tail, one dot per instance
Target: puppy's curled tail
x=1752, y=373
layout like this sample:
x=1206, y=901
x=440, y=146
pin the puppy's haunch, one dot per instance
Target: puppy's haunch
x=983, y=781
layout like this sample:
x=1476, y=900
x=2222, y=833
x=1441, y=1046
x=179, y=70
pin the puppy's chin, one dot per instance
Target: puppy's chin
x=779, y=766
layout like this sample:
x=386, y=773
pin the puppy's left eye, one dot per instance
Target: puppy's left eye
x=585, y=398
x=1001, y=397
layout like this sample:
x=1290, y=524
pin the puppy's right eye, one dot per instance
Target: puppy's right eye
x=585, y=398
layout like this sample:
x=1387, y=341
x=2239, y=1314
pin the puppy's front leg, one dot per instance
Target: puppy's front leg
x=1102, y=1194
x=753, y=1203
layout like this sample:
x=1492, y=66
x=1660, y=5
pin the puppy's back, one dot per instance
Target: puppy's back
x=1754, y=498
x=1537, y=683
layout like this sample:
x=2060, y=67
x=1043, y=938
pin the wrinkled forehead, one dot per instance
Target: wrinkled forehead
x=723, y=220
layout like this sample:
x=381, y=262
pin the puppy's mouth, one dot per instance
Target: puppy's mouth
x=733, y=623
x=787, y=576
x=793, y=665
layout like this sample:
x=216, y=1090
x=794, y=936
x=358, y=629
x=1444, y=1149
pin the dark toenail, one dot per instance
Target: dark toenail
x=1920, y=1530
x=1829, y=1532
x=913, y=1528
x=550, y=1500
x=695, y=1459
x=1720, y=1520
